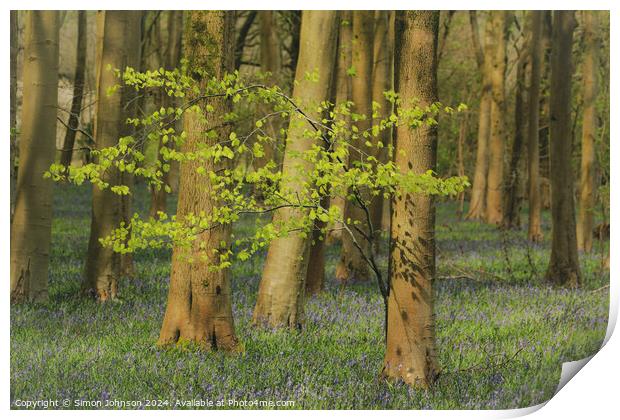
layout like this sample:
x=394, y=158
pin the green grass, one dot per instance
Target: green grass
x=502, y=333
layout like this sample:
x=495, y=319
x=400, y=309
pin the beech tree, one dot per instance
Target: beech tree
x=585, y=222
x=66, y=154
x=271, y=66
x=118, y=38
x=477, y=202
x=352, y=265
x=315, y=273
x=534, y=232
x=199, y=308
x=281, y=290
x=171, y=58
x=511, y=217
x=495, y=176
x=343, y=94
x=563, y=267
x=382, y=81
x=31, y=227
x=13, y=98
x=411, y=349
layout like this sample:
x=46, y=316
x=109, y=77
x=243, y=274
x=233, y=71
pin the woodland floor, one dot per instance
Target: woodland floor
x=502, y=335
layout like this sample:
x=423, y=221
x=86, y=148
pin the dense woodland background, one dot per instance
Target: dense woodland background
x=375, y=290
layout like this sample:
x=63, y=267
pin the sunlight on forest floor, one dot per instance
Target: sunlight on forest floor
x=501, y=333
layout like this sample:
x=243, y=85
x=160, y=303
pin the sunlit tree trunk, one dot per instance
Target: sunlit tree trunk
x=585, y=222
x=534, y=232
x=199, y=308
x=564, y=263
x=133, y=39
x=172, y=58
x=343, y=94
x=411, y=350
x=281, y=290
x=495, y=175
x=477, y=202
x=352, y=265
x=78, y=90
x=31, y=227
x=117, y=32
x=13, y=95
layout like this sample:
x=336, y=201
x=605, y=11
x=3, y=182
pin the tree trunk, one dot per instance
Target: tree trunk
x=160, y=99
x=477, y=202
x=172, y=59
x=410, y=353
x=543, y=135
x=343, y=94
x=512, y=207
x=315, y=275
x=352, y=265
x=534, y=232
x=462, y=139
x=13, y=95
x=242, y=35
x=564, y=263
x=585, y=222
x=117, y=32
x=31, y=228
x=270, y=64
x=66, y=154
x=199, y=308
x=133, y=40
x=382, y=81
x=175, y=23
x=495, y=185
x=281, y=290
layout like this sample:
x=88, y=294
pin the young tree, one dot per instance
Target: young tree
x=352, y=264
x=31, y=227
x=477, y=203
x=118, y=37
x=199, y=307
x=495, y=175
x=66, y=154
x=564, y=263
x=281, y=290
x=534, y=232
x=585, y=221
x=410, y=354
